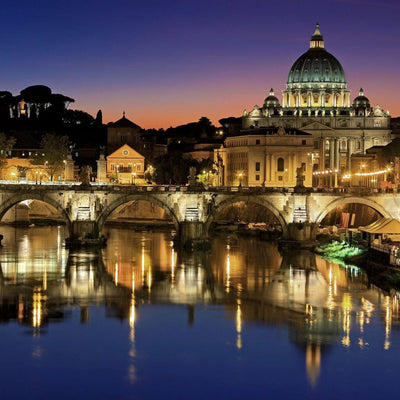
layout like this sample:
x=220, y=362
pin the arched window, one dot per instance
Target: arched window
x=281, y=164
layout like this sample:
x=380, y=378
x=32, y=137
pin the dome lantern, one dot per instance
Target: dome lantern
x=317, y=41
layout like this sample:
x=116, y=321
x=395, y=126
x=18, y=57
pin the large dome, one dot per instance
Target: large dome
x=316, y=66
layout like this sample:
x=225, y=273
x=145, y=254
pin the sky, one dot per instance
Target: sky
x=166, y=63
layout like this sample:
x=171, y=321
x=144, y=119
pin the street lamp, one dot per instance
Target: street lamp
x=36, y=174
x=133, y=177
x=240, y=179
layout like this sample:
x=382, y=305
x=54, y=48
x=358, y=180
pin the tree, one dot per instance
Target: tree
x=6, y=144
x=99, y=118
x=78, y=117
x=170, y=169
x=55, y=152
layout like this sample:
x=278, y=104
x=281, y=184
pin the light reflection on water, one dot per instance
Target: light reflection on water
x=322, y=306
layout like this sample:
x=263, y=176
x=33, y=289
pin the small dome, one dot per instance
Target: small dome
x=316, y=65
x=361, y=100
x=271, y=100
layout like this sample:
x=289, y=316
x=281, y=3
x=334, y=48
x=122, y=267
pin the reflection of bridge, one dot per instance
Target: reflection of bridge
x=85, y=209
x=317, y=301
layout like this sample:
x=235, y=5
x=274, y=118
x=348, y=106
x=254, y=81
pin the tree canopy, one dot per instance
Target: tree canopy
x=6, y=144
x=55, y=151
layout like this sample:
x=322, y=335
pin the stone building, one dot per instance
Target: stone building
x=122, y=132
x=267, y=157
x=125, y=165
x=317, y=101
x=127, y=132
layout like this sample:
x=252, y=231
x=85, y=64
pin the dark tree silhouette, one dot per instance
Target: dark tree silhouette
x=99, y=118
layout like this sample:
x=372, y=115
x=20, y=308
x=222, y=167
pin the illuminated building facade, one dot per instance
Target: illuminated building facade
x=127, y=132
x=317, y=101
x=266, y=157
x=126, y=165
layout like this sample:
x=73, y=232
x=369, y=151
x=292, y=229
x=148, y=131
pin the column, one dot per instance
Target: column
x=321, y=154
x=332, y=153
x=337, y=154
x=272, y=170
x=294, y=165
x=349, y=153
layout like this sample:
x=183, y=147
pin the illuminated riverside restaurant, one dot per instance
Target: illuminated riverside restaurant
x=383, y=231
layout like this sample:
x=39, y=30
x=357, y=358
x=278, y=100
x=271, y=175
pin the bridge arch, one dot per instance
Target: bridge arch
x=348, y=200
x=24, y=196
x=106, y=212
x=247, y=199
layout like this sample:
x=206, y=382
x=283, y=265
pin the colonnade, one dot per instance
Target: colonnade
x=294, y=98
x=335, y=152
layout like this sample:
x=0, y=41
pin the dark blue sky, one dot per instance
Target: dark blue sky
x=170, y=62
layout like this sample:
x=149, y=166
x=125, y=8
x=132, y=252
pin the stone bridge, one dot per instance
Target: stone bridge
x=85, y=209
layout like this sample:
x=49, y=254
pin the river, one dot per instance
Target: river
x=143, y=320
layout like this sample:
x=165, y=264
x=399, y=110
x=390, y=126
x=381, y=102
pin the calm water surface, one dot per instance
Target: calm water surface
x=142, y=321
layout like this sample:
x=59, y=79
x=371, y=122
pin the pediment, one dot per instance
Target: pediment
x=316, y=126
x=125, y=151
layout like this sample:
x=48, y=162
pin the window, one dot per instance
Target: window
x=280, y=178
x=281, y=164
x=303, y=142
x=112, y=167
x=257, y=141
x=258, y=166
x=257, y=177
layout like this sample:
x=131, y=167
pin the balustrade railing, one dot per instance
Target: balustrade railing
x=32, y=185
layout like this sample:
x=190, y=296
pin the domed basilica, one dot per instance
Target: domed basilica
x=317, y=101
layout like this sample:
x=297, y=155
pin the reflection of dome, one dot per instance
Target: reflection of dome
x=271, y=100
x=316, y=65
x=361, y=100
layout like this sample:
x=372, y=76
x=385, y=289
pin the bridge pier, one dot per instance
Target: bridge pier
x=193, y=234
x=302, y=232
x=85, y=234
x=84, y=229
